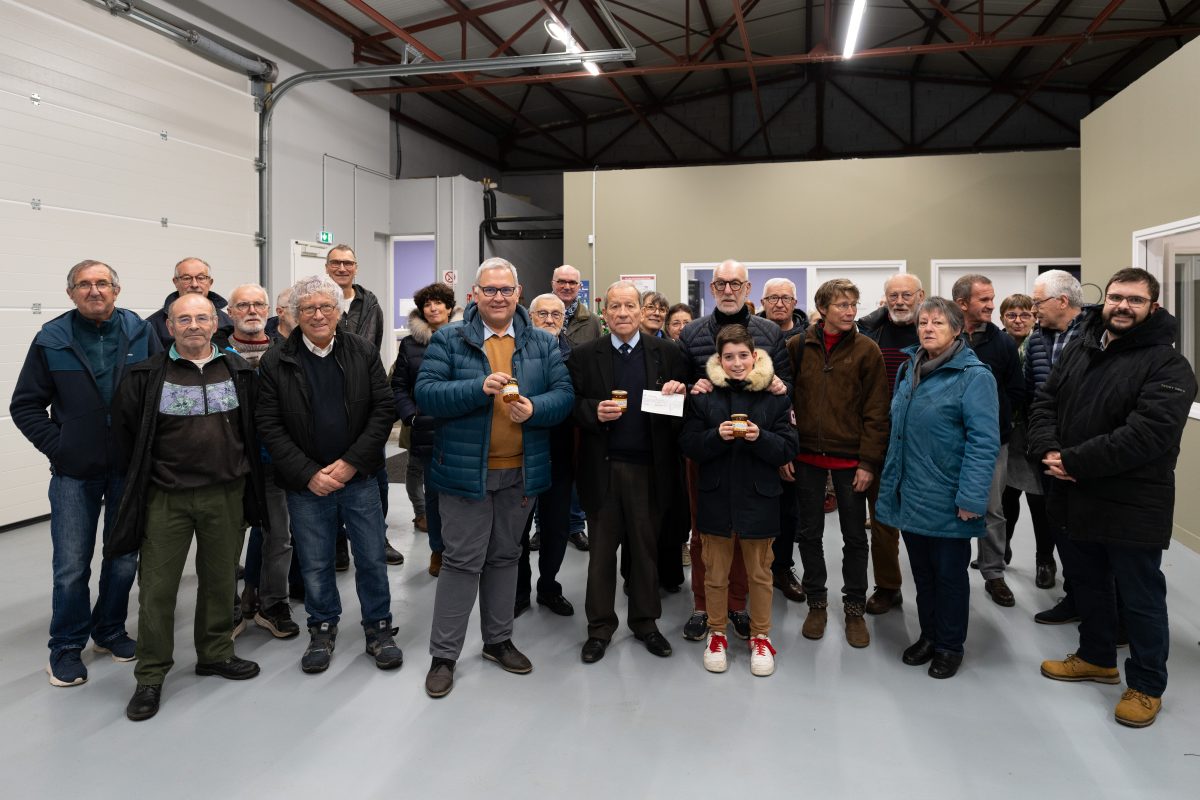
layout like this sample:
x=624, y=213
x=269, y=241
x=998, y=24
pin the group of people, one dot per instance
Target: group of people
x=923, y=419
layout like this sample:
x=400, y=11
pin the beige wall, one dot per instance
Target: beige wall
x=1140, y=169
x=1011, y=205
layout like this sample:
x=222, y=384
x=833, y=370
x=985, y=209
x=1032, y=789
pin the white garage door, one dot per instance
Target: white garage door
x=115, y=144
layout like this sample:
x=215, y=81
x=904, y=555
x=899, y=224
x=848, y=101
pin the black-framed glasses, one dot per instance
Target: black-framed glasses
x=325, y=308
x=340, y=263
x=99, y=286
x=1133, y=300
x=779, y=298
x=193, y=278
x=245, y=306
x=490, y=291
x=735, y=285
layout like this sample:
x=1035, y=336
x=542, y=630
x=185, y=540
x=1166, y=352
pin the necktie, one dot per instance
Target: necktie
x=625, y=349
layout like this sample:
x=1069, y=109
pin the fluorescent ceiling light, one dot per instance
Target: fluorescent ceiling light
x=592, y=67
x=856, y=16
x=557, y=31
x=563, y=34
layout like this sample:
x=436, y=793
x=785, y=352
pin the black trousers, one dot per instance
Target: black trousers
x=554, y=517
x=852, y=514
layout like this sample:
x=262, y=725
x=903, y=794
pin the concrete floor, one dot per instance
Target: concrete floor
x=833, y=722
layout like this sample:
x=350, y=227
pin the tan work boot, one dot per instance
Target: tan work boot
x=1137, y=710
x=814, y=623
x=1074, y=668
x=857, y=634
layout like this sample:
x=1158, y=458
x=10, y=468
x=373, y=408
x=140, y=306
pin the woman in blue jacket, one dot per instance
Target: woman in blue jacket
x=944, y=442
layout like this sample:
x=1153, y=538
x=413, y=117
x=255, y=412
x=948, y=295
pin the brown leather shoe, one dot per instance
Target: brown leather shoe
x=883, y=601
x=1001, y=594
x=421, y=524
x=435, y=564
x=789, y=584
x=857, y=634
x=1137, y=709
x=815, y=622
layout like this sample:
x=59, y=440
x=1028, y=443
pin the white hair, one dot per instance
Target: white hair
x=623, y=285
x=549, y=298
x=250, y=286
x=737, y=265
x=496, y=263
x=909, y=275
x=767, y=286
x=1060, y=283
x=315, y=284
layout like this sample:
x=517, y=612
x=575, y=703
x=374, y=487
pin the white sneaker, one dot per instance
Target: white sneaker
x=762, y=656
x=715, y=659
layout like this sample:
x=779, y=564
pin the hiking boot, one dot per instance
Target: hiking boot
x=66, y=668
x=715, y=653
x=278, y=621
x=883, y=601
x=815, y=622
x=320, y=648
x=696, y=626
x=382, y=647
x=1137, y=709
x=144, y=703
x=762, y=656
x=1074, y=668
x=857, y=634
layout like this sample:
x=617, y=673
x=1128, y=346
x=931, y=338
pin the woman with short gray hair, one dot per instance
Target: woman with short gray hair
x=936, y=480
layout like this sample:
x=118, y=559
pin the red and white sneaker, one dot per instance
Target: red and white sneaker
x=715, y=659
x=762, y=656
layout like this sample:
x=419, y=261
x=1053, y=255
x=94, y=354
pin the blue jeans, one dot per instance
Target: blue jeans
x=578, y=517
x=314, y=529
x=433, y=513
x=74, y=513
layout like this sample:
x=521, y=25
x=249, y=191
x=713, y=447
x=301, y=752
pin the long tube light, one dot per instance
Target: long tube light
x=856, y=16
x=563, y=35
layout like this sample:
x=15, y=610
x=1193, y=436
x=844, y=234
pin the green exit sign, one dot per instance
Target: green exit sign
x=326, y=237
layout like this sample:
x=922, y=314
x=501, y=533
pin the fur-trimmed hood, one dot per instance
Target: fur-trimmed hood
x=760, y=375
x=419, y=329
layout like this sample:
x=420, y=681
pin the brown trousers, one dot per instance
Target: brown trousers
x=737, y=571
x=885, y=546
x=758, y=556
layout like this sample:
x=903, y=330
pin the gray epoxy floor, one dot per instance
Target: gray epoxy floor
x=833, y=722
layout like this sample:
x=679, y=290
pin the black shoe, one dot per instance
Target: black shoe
x=655, y=642
x=579, y=539
x=508, y=657
x=440, y=678
x=593, y=650
x=341, y=558
x=382, y=647
x=1062, y=614
x=278, y=620
x=520, y=607
x=741, y=623
x=999, y=592
x=696, y=628
x=883, y=601
x=144, y=703
x=975, y=564
x=790, y=585
x=535, y=541
x=920, y=652
x=1122, y=637
x=393, y=556
x=670, y=589
x=232, y=668
x=319, y=652
x=1046, y=574
x=945, y=664
x=558, y=604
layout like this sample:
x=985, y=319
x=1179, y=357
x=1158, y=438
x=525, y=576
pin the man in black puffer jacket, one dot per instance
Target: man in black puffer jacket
x=1107, y=424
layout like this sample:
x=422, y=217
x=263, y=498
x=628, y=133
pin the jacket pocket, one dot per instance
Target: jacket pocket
x=768, y=488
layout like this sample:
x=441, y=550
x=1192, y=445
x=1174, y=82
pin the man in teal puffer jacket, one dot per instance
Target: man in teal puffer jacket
x=499, y=384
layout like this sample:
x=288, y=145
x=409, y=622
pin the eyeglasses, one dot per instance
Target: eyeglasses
x=1013, y=316
x=779, y=298
x=1134, y=301
x=735, y=285
x=490, y=291
x=1037, y=304
x=326, y=310
x=193, y=278
x=905, y=296
x=199, y=319
x=99, y=286
x=246, y=306
x=340, y=263
x=844, y=306
x=548, y=314
x=655, y=308
x=561, y=282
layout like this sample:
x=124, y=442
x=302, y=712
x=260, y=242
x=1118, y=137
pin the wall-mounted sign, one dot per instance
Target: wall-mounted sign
x=644, y=283
x=450, y=277
x=325, y=237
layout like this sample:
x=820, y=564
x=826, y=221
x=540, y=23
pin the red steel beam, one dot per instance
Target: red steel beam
x=1058, y=64
x=1015, y=17
x=1079, y=39
x=453, y=19
x=749, y=56
x=950, y=15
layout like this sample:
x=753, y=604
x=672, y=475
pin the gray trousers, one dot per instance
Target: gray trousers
x=483, y=546
x=991, y=547
x=276, y=547
x=414, y=484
